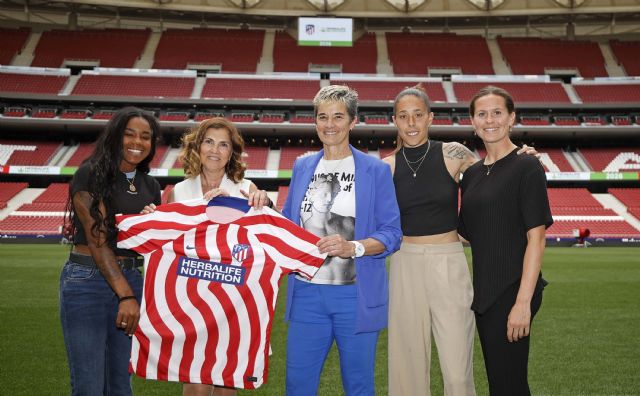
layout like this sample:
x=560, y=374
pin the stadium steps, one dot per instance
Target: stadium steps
x=610, y=63
x=61, y=157
x=611, y=202
x=170, y=158
x=449, y=92
x=198, y=85
x=383, y=64
x=273, y=160
x=69, y=86
x=25, y=57
x=27, y=195
x=571, y=93
x=146, y=59
x=578, y=162
x=500, y=67
x=265, y=65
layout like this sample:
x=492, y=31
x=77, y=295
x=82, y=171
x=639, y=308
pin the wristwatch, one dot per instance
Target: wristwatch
x=359, y=249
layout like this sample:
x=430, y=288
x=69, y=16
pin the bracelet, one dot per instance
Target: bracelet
x=121, y=299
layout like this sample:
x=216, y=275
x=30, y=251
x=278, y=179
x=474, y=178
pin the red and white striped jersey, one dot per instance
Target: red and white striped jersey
x=210, y=290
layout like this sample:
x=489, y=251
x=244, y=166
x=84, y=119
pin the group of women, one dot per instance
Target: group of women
x=364, y=210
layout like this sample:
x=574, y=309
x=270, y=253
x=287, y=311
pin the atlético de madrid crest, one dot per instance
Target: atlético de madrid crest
x=241, y=252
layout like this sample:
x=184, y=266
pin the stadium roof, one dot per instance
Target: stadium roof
x=368, y=13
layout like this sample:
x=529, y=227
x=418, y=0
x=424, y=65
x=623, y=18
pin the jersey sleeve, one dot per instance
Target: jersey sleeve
x=533, y=199
x=290, y=246
x=145, y=233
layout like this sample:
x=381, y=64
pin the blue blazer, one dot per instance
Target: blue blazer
x=377, y=216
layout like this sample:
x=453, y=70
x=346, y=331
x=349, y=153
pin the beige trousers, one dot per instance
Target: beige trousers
x=430, y=292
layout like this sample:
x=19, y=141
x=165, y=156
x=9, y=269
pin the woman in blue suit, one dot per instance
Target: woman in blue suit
x=347, y=198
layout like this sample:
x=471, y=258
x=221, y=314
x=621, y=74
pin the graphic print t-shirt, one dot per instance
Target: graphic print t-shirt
x=210, y=290
x=329, y=207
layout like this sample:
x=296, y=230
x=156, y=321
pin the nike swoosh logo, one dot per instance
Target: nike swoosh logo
x=190, y=247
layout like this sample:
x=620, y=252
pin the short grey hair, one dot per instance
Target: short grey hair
x=340, y=94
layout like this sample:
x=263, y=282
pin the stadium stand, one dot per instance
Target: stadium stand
x=380, y=90
x=255, y=157
x=551, y=92
x=626, y=52
x=612, y=159
x=621, y=120
x=260, y=88
x=593, y=120
x=442, y=119
x=31, y=83
x=102, y=45
x=557, y=158
x=233, y=49
x=283, y=191
x=608, y=93
x=15, y=111
x=566, y=120
x=31, y=225
x=174, y=116
x=376, y=119
x=288, y=56
x=574, y=199
x=103, y=114
x=574, y=208
x=288, y=155
x=416, y=53
x=83, y=151
x=533, y=55
x=276, y=118
x=302, y=118
x=242, y=117
x=27, y=153
x=74, y=114
x=8, y=190
x=53, y=199
x=534, y=120
x=630, y=197
x=43, y=113
x=117, y=85
x=598, y=228
x=13, y=40
x=205, y=115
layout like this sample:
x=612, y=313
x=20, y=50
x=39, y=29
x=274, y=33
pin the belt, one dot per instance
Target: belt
x=126, y=263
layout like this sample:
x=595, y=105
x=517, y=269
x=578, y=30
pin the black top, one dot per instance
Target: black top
x=497, y=211
x=126, y=202
x=428, y=202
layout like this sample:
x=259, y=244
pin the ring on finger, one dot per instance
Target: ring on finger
x=123, y=324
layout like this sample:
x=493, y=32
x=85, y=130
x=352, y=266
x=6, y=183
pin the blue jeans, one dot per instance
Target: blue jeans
x=98, y=351
x=321, y=314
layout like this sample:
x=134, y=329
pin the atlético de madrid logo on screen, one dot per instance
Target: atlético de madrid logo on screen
x=310, y=29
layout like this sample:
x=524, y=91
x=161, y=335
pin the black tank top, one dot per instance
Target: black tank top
x=429, y=201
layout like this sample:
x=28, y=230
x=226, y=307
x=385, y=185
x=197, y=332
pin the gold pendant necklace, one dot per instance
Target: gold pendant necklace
x=132, y=188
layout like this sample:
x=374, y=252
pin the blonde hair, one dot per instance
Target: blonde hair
x=192, y=140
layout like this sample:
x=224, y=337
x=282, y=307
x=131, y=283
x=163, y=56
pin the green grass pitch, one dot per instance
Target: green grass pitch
x=585, y=337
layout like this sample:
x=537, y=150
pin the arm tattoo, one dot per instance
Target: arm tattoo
x=456, y=152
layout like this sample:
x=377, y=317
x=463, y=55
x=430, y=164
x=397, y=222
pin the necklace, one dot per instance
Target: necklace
x=489, y=167
x=419, y=161
x=132, y=188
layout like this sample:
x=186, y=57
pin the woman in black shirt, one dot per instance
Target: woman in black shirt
x=101, y=285
x=504, y=214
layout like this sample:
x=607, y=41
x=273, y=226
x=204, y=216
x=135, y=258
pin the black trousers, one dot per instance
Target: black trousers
x=506, y=362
